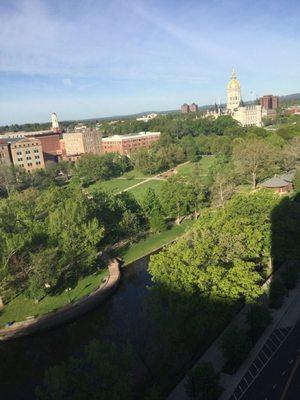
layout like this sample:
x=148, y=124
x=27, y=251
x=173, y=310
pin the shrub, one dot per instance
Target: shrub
x=235, y=346
x=202, y=380
x=277, y=293
x=258, y=318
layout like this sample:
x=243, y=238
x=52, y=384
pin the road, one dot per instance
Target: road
x=279, y=379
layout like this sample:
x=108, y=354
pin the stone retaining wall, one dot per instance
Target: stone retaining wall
x=67, y=313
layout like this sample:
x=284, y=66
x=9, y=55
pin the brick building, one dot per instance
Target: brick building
x=126, y=144
x=27, y=153
x=81, y=142
x=50, y=145
x=49, y=140
x=185, y=108
x=194, y=107
x=5, y=157
x=269, y=102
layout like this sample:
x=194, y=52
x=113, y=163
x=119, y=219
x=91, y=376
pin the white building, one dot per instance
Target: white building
x=250, y=115
x=147, y=118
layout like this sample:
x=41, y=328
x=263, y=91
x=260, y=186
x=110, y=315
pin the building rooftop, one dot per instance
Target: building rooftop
x=279, y=181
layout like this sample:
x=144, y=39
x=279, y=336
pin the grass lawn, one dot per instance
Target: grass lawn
x=153, y=242
x=22, y=307
x=139, y=191
x=204, y=163
x=136, y=174
x=114, y=185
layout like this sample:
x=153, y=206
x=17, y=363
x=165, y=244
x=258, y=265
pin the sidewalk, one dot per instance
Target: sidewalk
x=287, y=315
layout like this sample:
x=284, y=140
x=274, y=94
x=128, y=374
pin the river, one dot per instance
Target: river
x=119, y=319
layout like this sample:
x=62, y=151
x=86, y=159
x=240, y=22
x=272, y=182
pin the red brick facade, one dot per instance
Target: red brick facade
x=128, y=144
x=269, y=102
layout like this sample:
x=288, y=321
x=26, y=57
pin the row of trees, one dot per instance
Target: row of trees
x=88, y=169
x=201, y=279
x=51, y=238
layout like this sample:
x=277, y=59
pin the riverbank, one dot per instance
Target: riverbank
x=153, y=242
x=68, y=312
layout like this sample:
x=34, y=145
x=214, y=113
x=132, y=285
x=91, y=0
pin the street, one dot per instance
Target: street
x=278, y=378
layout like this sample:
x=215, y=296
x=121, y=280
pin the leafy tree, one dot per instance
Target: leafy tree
x=44, y=274
x=150, y=203
x=253, y=158
x=178, y=197
x=102, y=372
x=76, y=235
x=290, y=154
x=203, y=382
x=258, y=318
x=235, y=346
x=223, y=181
x=157, y=223
x=94, y=167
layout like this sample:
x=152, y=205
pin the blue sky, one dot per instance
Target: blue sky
x=94, y=58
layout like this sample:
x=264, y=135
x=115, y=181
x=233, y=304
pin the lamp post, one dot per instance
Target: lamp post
x=68, y=293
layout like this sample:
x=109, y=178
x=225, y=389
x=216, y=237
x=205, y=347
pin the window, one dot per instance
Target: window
x=27, y=151
x=29, y=164
x=37, y=157
x=38, y=163
x=28, y=157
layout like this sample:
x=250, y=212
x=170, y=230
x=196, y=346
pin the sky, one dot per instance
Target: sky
x=96, y=58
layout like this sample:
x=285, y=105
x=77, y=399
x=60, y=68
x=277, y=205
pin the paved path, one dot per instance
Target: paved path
x=67, y=313
x=152, y=178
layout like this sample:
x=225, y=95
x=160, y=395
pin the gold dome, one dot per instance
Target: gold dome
x=234, y=83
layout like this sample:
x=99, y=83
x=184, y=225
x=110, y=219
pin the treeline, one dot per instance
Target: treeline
x=89, y=168
x=50, y=238
x=203, y=278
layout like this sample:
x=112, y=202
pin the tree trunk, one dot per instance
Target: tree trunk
x=1, y=303
x=253, y=180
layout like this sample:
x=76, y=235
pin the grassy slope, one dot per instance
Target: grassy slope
x=114, y=185
x=139, y=191
x=153, y=242
x=204, y=164
x=22, y=307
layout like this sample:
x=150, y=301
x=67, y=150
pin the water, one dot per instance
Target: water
x=121, y=318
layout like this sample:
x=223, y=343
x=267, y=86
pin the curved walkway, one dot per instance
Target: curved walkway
x=67, y=313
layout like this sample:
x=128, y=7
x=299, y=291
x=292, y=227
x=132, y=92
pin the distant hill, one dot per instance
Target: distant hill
x=286, y=99
x=290, y=99
x=295, y=96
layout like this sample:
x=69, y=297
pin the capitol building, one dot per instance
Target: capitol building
x=246, y=115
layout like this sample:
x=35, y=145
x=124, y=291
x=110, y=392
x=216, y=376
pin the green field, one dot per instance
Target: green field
x=114, y=185
x=204, y=164
x=153, y=242
x=22, y=307
x=139, y=191
x=136, y=174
